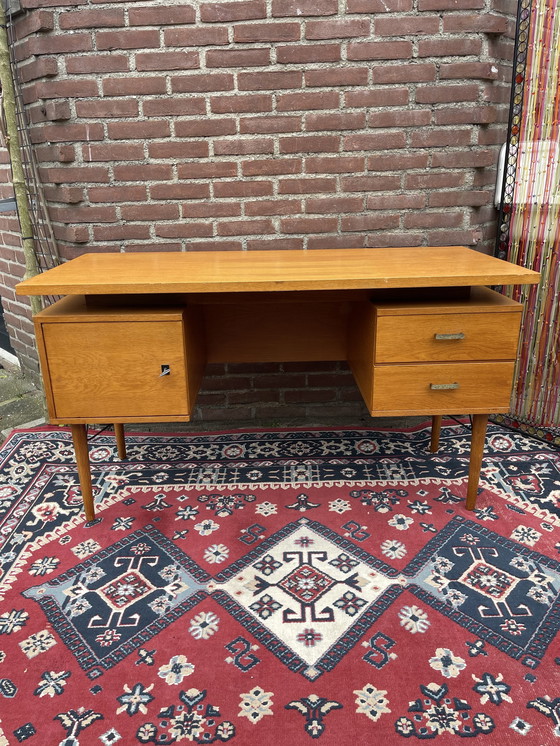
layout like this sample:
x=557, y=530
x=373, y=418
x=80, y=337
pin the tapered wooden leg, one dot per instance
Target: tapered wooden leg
x=479, y=423
x=79, y=438
x=436, y=430
x=119, y=435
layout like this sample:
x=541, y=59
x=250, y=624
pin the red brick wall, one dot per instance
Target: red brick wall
x=256, y=124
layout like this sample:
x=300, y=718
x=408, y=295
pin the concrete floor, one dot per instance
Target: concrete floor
x=21, y=403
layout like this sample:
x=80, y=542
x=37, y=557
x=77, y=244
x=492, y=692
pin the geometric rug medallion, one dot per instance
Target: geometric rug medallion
x=280, y=587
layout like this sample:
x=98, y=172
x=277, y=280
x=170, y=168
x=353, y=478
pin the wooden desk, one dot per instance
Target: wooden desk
x=420, y=329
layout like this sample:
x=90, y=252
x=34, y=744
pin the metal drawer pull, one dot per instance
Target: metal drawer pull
x=165, y=370
x=459, y=335
x=442, y=386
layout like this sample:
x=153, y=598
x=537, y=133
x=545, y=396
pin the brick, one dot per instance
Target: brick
x=216, y=244
x=120, y=232
x=71, y=233
x=268, y=124
x=138, y=130
x=161, y=15
x=174, y=106
x=375, y=141
x=42, y=67
x=406, y=118
x=335, y=121
x=299, y=8
x=205, y=128
x=269, y=81
x=117, y=194
x=429, y=180
x=466, y=115
x=306, y=185
x=310, y=144
x=379, y=50
x=147, y=61
x=245, y=227
x=210, y=209
x=307, y=100
x=210, y=170
x=31, y=23
x=337, y=242
x=107, y=108
x=195, y=37
x=68, y=133
x=379, y=97
x=396, y=201
x=309, y=225
x=95, y=18
x=184, y=230
x=370, y=183
x=240, y=104
x=96, y=63
x=313, y=53
x=244, y=146
x=232, y=11
x=472, y=70
x=406, y=73
x=451, y=47
x=199, y=83
x=487, y=23
x=453, y=238
x=343, y=28
x=440, y=138
x=406, y=25
x=237, y=57
x=242, y=188
x=378, y=6
x=57, y=110
x=179, y=191
x=66, y=89
x=383, y=240
x=56, y=153
x=338, y=165
x=129, y=86
x=441, y=93
x=458, y=198
x=113, y=152
x=127, y=39
x=272, y=167
x=426, y=219
x=65, y=194
x=84, y=214
x=149, y=212
x=333, y=77
x=330, y=205
x=273, y=207
x=477, y=158
x=178, y=149
x=143, y=172
x=450, y=4
x=369, y=222
x=266, y=32
x=61, y=44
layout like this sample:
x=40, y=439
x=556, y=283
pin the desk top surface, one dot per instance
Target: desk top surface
x=248, y=271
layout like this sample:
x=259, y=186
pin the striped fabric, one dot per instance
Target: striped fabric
x=534, y=227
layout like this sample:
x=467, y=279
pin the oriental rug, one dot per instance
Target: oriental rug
x=280, y=587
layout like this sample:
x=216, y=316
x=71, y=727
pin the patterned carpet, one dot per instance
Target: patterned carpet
x=280, y=587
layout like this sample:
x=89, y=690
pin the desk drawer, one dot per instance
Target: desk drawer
x=103, y=371
x=442, y=388
x=447, y=336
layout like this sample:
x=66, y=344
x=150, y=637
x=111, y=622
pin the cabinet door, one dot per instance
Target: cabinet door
x=103, y=371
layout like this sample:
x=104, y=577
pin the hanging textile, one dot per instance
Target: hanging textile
x=530, y=216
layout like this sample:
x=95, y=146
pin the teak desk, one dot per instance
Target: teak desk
x=420, y=329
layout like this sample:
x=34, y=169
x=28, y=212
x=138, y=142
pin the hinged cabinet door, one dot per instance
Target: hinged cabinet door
x=109, y=370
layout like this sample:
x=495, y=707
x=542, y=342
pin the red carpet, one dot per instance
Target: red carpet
x=280, y=587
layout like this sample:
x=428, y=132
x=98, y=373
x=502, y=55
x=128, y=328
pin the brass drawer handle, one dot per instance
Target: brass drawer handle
x=443, y=386
x=459, y=335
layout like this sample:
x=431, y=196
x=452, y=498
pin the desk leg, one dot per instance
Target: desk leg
x=436, y=430
x=479, y=423
x=119, y=435
x=79, y=438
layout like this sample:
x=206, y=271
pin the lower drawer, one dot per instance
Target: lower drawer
x=442, y=388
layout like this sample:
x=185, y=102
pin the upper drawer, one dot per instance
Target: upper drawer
x=447, y=336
